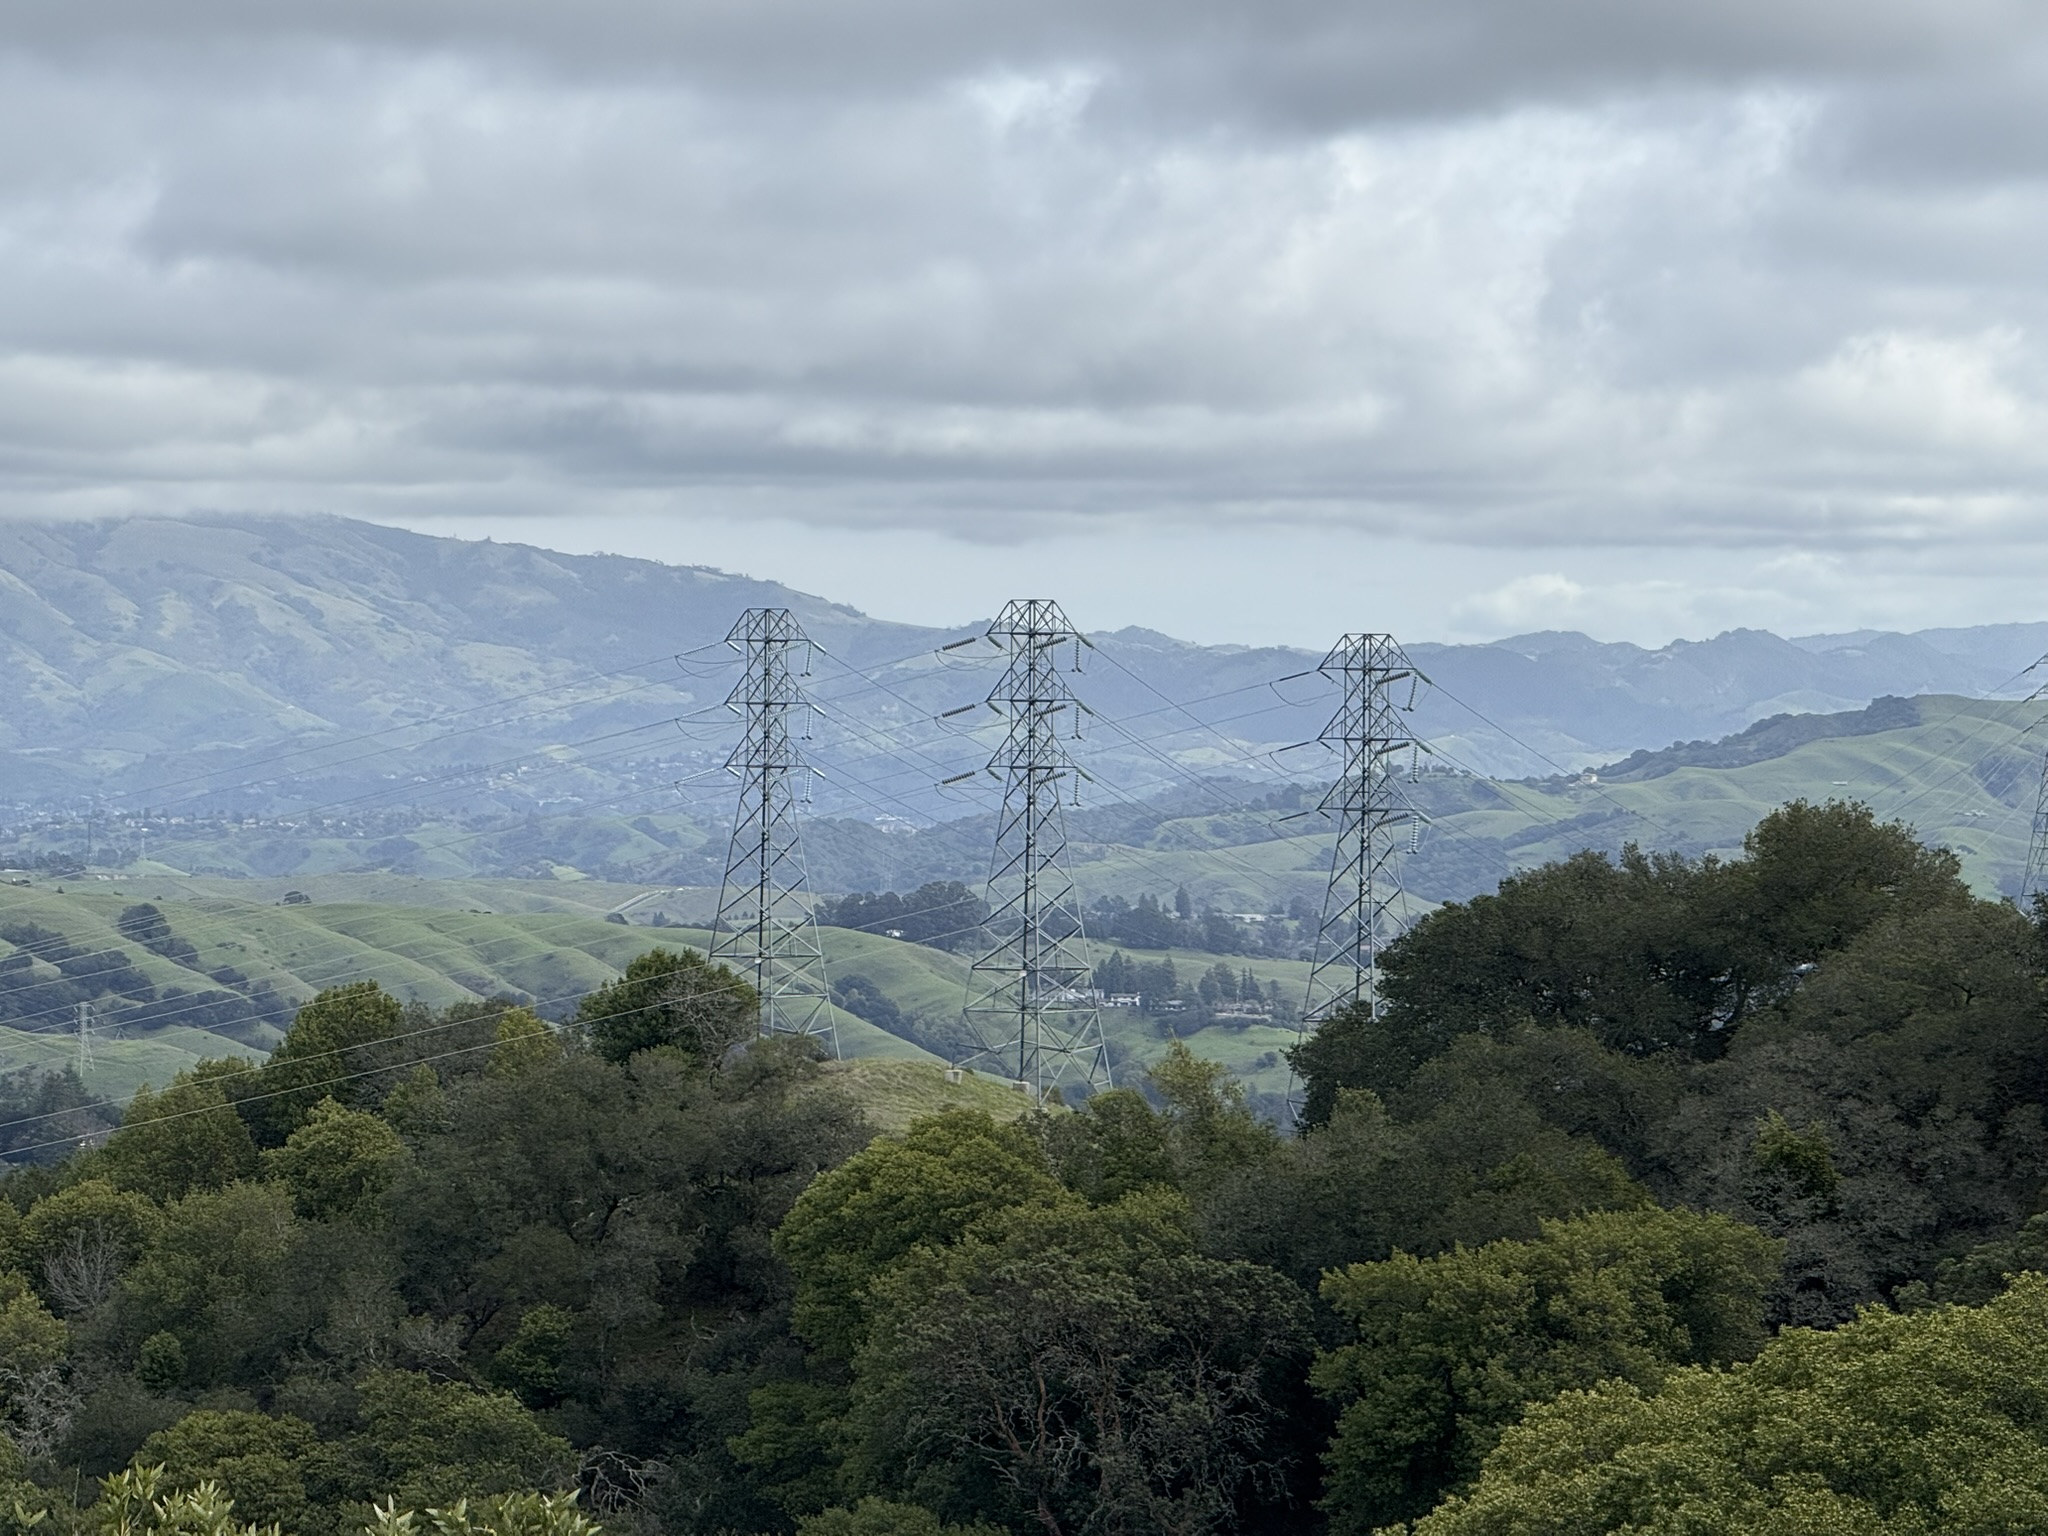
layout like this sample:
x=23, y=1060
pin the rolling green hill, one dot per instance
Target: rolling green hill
x=1964, y=773
x=894, y=1093
x=431, y=955
x=548, y=955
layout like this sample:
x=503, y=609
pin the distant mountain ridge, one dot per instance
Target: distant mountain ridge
x=1778, y=736
x=1634, y=698
x=269, y=662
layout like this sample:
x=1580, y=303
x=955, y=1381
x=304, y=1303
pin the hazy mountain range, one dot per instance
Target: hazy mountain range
x=267, y=664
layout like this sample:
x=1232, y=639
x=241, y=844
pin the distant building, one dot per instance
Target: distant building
x=1245, y=1010
x=1072, y=995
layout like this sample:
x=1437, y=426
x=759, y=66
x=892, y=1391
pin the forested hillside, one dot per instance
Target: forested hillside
x=1573, y=1238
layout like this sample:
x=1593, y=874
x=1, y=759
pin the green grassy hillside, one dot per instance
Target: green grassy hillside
x=432, y=955
x=893, y=1093
x=438, y=955
x=1964, y=773
x=1962, y=770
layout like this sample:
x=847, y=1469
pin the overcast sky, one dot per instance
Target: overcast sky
x=1243, y=321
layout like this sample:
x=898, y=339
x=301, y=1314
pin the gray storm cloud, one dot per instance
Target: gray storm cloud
x=1744, y=274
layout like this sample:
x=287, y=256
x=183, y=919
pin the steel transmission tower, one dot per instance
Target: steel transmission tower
x=2036, y=879
x=765, y=926
x=1031, y=1001
x=1373, y=816
x=2034, y=882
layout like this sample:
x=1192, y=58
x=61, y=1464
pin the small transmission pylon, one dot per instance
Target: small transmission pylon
x=1373, y=816
x=85, y=1034
x=765, y=925
x=1031, y=1001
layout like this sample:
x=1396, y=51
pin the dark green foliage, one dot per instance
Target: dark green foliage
x=1791, y=1167
x=1975, y=1277
x=1068, y=1363
x=942, y=913
x=1649, y=954
x=160, y=1363
x=258, y=1460
x=110, y=1420
x=437, y=1442
x=1356, y=1050
x=879, y=1517
x=672, y=998
x=146, y=925
x=1202, y=1135
x=451, y=1254
x=863, y=999
x=530, y=1364
x=1891, y=1426
x=791, y=1448
x=928, y=1189
x=418, y=1441
x=1887, y=1117
x=74, y=1242
x=357, y=1045
x=224, y=1274
x=105, y=971
x=1449, y=1350
x=338, y=1163
x=333, y=1050
x=185, y=1138
x=1143, y=924
x=1827, y=1037
x=639, y=1206
x=1367, y=1183
x=45, y=1114
x=1116, y=1145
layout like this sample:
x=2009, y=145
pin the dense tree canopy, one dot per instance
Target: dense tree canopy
x=1451, y=1349
x=1515, y=1272
x=1889, y=1426
x=672, y=998
x=1651, y=953
x=1070, y=1366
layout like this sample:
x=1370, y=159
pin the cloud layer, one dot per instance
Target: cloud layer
x=1754, y=276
